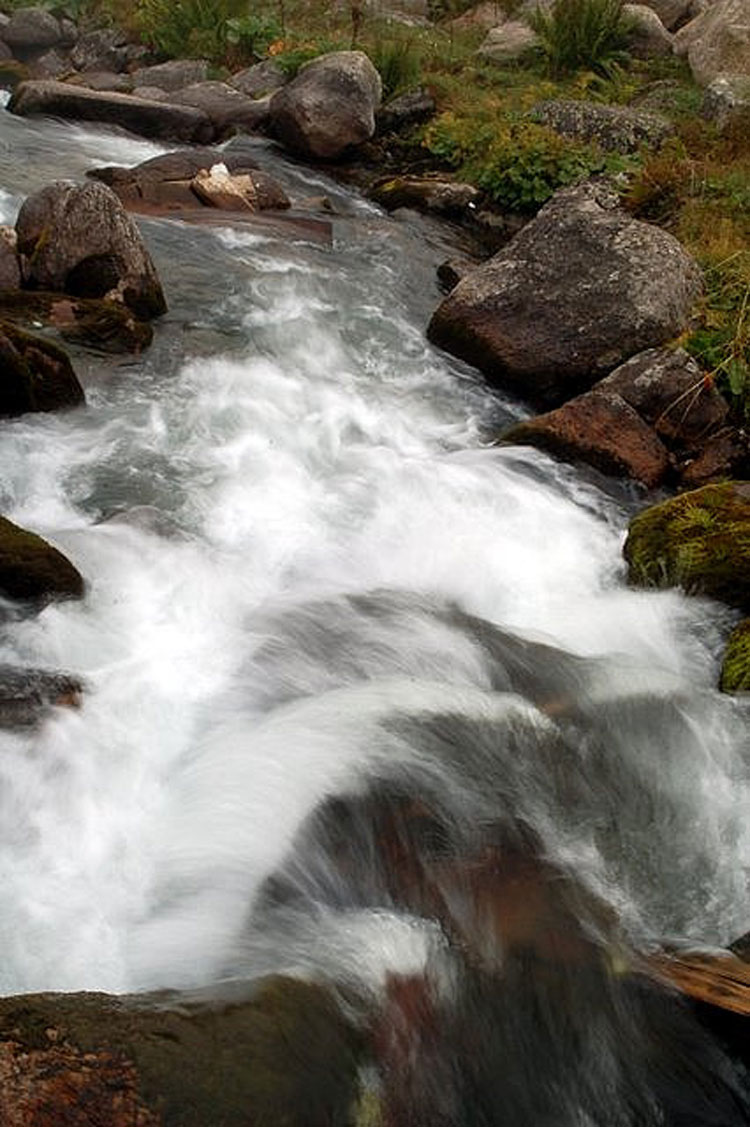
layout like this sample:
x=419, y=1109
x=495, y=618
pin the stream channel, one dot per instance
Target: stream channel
x=311, y=578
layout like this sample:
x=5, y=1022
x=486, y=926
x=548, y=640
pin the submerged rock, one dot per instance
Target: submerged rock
x=699, y=541
x=36, y=374
x=31, y=569
x=581, y=288
x=278, y=1052
x=79, y=239
x=27, y=694
x=329, y=107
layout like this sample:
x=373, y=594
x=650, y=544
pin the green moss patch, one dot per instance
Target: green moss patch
x=735, y=670
x=699, y=541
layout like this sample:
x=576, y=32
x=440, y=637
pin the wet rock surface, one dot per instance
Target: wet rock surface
x=275, y=1052
x=33, y=570
x=27, y=695
x=162, y=120
x=36, y=374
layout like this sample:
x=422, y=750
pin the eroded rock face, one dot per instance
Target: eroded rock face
x=32, y=570
x=105, y=49
x=276, y=1052
x=329, y=107
x=581, y=288
x=145, y=118
x=717, y=41
x=615, y=128
x=78, y=239
x=36, y=374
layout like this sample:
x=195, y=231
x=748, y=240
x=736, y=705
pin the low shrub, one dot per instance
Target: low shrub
x=399, y=64
x=582, y=34
x=518, y=164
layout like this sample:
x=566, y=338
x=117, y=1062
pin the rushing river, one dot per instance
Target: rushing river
x=310, y=573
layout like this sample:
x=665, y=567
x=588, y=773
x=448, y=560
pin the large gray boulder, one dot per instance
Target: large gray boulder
x=672, y=13
x=79, y=239
x=258, y=80
x=581, y=288
x=103, y=49
x=32, y=31
x=614, y=128
x=507, y=41
x=717, y=41
x=647, y=37
x=329, y=107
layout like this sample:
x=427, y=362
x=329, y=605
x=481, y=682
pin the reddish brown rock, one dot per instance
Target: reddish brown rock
x=603, y=431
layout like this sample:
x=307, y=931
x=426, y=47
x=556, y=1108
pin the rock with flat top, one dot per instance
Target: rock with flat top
x=147, y=118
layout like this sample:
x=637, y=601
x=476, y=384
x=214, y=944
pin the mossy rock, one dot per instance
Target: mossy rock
x=107, y=326
x=31, y=569
x=735, y=669
x=277, y=1053
x=35, y=374
x=699, y=541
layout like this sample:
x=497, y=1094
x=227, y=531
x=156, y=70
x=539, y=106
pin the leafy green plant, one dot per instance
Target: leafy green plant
x=251, y=35
x=518, y=164
x=582, y=34
x=398, y=63
x=184, y=27
x=721, y=343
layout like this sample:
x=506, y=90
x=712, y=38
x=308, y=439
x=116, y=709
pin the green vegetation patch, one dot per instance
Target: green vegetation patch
x=735, y=670
x=699, y=541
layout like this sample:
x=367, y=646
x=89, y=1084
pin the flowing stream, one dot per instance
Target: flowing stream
x=310, y=574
